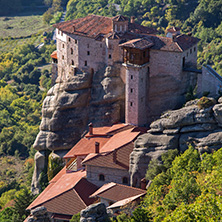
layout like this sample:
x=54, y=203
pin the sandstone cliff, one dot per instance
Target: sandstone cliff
x=69, y=107
x=201, y=127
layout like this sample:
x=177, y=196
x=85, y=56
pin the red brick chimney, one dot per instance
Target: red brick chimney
x=90, y=129
x=96, y=147
x=143, y=184
x=132, y=19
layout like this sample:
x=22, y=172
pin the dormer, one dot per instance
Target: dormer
x=120, y=23
x=172, y=32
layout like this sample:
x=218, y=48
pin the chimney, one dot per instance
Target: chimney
x=132, y=19
x=90, y=129
x=143, y=184
x=96, y=147
x=114, y=156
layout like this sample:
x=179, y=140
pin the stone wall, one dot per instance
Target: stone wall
x=209, y=81
x=111, y=175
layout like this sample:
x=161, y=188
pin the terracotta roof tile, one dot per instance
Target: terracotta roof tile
x=117, y=192
x=65, y=183
x=90, y=26
x=74, y=200
x=139, y=29
x=123, y=202
x=86, y=146
x=58, y=175
x=54, y=55
x=119, y=140
x=186, y=41
x=119, y=18
x=138, y=43
x=173, y=29
x=107, y=159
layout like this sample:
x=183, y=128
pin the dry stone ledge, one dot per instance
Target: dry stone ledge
x=175, y=129
x=94, y=213
x=39, y=214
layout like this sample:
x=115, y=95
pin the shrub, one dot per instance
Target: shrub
x=205, y=102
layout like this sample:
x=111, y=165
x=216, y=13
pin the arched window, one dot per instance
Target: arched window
x=71, y=51
x=124, y=180
x=101, y=177
x=72, y=63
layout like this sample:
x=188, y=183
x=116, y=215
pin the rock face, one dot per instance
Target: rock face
x=39, y=214
x=69, y=107
x=201, y=127
x=94, y=213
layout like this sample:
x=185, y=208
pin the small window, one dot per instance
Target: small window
x=85, y=63
x=131, y=90
x=124, y=180
x=110, y=56
x=61, y=33
x=148, y=70
x=101, y=177
x=58, y=32
x=131, y=76
x=72, y=63
x=71, y=51
x=131, y=103
x=190, y=51
x=88, y=52
x=63, y=46
x=75, y=41
x=141, y=99
x=194, y=49
x=62, y=56
x=69, y=40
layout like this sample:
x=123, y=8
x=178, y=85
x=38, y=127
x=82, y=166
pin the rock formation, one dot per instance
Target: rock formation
x=192, y=124
x=94, y=213
x=69, y=107
x=39, y=214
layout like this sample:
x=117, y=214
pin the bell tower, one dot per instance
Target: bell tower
x=136, y=64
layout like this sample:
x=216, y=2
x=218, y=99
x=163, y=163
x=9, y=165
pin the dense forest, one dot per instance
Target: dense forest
x=185, y=187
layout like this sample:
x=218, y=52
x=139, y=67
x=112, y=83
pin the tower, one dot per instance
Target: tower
x=136, y=63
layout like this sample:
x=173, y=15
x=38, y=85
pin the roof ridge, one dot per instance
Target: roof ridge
x=79, y=196
x=135, y=188
x=114, y=184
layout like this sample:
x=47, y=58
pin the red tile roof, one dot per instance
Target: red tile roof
x=65, y=183
x=122, y=134
x=138, y=43
x=86, y=146
x=139, y=29
x=123, y=202
x=181, y=43
x=54, y=55
x=118, y=140
x=173, y=29
x=107, y=159
x=119, y=18
x=68, y=195
x=90, y=26
x=74, y=200
x=116, y=192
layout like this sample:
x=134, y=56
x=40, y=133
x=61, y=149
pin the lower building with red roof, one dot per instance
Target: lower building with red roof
x=100, y=157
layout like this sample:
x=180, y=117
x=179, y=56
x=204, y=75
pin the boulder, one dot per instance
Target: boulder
x=94, y=213
x=39, y=214
x=176, y=130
